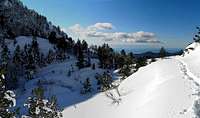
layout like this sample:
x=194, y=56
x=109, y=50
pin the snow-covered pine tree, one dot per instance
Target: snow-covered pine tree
x=125, y=71
x=39, y=107
x=104, y=81
x=7, y=98
x=142, y=61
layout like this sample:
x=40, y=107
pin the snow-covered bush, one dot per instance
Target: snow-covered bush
x=7, y=99
x=104, y=82
x=39, y=107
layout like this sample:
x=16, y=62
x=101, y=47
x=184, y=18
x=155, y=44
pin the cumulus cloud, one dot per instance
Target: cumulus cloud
x=103, y=26
x=100, y=31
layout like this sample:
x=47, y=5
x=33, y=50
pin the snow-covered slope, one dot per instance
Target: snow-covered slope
x=44, y=44
x=192, y=58
x=54, y=77
x=163, y=89
x=166, y=88
x=56, y=82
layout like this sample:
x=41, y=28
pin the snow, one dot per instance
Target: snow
x=152, y=92
x=56, y=82
x=44, y=44
x=166, y=88
x=192, y=58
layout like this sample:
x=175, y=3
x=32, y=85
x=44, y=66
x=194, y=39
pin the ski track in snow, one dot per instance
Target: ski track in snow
x=189, y=75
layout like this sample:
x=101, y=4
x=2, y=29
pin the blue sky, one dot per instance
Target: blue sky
x=124, y=22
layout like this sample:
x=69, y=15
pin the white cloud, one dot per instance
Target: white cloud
x=99, y=31
x=103, y=26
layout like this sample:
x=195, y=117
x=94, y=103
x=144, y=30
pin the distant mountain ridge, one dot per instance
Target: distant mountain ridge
x=16, y=19
x=150, y=54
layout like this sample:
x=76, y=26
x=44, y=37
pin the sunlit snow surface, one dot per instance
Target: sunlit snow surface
x=164, y=89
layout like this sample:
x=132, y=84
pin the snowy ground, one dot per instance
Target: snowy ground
x=159, y=90
x=44, y=44
x=55, y=80
x=166, y=88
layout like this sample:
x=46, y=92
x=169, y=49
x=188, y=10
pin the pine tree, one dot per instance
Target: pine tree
x=84, y=45
x=80, y=62
x=39, y=107
x=104, y=82
x=35, y=50
x=105, y=54
x=5, y=55
x=14, y=42
x=162, y=52
x=125, y=71
x=30, y=65
x=42, y=60
x=141, y=62
x=17, y=56
x=87, y=87
x=50, y=56
x=197, y=36
x=93, y=66
x=2, y=40
x=60, y=55
x=6, y=98
x=69, y=73
x=123, y=53
x=52, y=37
x=77, y=48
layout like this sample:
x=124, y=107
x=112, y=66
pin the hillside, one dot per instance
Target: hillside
x=16, y=20
x=163, y=89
